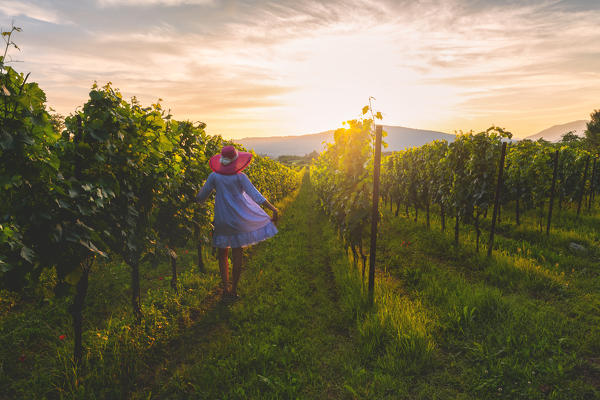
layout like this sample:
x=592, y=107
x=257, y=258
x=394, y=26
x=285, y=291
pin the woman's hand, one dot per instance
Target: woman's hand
x=275, y=216
x=271, y=207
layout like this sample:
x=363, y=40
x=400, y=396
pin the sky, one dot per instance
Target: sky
x=271, y=68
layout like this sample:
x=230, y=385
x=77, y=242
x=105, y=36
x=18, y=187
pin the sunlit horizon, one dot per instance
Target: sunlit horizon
x=264, y=68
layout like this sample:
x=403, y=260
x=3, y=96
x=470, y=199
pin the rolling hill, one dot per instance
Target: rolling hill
x=555, y=133
x=398, y=138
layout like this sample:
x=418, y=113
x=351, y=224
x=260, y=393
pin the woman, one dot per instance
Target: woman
x=239, y=220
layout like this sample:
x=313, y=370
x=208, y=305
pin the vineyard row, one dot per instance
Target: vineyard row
x=114, y=180
x=459, y=179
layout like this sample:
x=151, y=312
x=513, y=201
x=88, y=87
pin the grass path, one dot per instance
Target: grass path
x=285, y=338
x=439, y=329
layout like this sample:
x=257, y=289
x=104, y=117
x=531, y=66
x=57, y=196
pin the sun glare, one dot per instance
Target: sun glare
x=286, y=70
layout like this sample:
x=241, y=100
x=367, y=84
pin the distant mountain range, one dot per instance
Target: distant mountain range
x=556, y=132
x=398, y=138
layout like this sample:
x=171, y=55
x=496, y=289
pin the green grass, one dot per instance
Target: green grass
x=517, y=325
x=447, y=323
x=302, y=329
x=36, y=363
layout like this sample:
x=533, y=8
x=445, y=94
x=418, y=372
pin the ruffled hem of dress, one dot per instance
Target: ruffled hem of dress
x=245, y=238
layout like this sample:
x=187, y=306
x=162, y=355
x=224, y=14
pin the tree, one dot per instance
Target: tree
x=592, y=133
x=571, y=139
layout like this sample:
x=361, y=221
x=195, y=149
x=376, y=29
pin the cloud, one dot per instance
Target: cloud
x=12, y=8
x=304, y=66
x=522, y=65
x=200, y=77
x=149, y=3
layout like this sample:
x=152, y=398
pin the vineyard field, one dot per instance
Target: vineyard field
x=487, y=262
x=448, y=323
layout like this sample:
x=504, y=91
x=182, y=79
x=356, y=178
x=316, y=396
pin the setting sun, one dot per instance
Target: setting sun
x=284, y=68
x=300, y=199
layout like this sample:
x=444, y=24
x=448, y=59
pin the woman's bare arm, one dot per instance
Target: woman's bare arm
x=272, y=208
x=206, y=189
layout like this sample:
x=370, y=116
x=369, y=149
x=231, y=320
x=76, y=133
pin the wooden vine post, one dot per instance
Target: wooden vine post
x=592, y=185
x=375, y=213
x=201, y=267
x=552, y=190
x=76, y=308
x=496, y=199
x=582, y=191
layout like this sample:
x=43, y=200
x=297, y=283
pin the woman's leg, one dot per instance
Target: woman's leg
x=236, y=255
x=224, y=267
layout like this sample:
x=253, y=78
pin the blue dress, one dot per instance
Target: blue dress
x=239, y=220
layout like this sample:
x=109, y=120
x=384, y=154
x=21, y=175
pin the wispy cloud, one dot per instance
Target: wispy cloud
x=303, y=66
x=537, y=66
x=12, y=8
x=138, y=3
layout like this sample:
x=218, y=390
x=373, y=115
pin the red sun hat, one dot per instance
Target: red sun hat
x=230, y=161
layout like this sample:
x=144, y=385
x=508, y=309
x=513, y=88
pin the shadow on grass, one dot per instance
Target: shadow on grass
x=162, y=361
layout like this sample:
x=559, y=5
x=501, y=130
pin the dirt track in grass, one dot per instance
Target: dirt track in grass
x=285, y=338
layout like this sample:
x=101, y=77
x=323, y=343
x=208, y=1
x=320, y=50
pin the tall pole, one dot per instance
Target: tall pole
x=585, y=171
x=552, y=190
x=375, y=212
x=496, y=199
x=592, y=185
